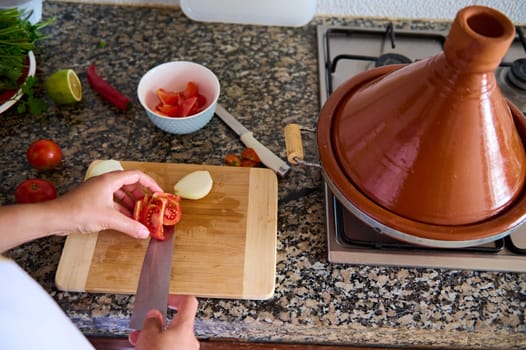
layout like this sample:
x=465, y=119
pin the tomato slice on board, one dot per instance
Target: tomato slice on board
x=157, y=210
x=152, y=218
x=172, y=209
x=137, y=209
x=139, y=205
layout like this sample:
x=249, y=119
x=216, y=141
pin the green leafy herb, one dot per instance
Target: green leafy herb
x=31, y=103
x=18, y=36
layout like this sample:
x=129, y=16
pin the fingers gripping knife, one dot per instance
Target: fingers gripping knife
x=154, y=281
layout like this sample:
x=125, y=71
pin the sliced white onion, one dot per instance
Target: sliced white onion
x=194, y=185
x=103, y=167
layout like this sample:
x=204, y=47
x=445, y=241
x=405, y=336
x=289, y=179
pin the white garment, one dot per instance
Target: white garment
x=30, y=318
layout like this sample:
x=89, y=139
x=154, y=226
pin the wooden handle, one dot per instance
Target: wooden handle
x=293, y=143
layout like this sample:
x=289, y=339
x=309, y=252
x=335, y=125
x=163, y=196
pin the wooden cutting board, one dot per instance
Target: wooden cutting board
x=225, y=244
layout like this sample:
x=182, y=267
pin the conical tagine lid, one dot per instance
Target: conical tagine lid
x=433, y=141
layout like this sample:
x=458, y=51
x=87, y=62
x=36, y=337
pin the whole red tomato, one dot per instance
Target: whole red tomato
x=44, y=154
x=35, y=190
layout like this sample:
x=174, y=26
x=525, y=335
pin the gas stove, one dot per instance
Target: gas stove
x=346, y=51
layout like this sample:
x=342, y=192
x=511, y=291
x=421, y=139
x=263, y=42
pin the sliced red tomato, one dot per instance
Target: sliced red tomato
x=189, y=107
x=181, y=103
x=201, y=102
x=190, y=90
x=156, y=211
x=137, y=209
x=152, y=217
x=139, y=205
x=169, y=110
x=172, y=209
x=169, y=97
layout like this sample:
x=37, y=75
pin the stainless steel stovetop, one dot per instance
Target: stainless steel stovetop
x=346, y=51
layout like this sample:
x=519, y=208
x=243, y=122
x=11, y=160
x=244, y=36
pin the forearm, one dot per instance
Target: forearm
x=88, y=208
x=26, y=222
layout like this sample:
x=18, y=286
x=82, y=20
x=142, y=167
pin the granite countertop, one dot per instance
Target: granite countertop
x=269, y=78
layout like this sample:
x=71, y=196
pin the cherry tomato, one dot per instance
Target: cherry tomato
x=34, y=191
x=44, y=154
x=232, y=160
x=250, y=154
x=249, y=163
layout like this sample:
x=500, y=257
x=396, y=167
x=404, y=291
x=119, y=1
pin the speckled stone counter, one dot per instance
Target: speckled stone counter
x=269, y=78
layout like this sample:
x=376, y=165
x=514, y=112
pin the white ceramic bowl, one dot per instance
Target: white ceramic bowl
x=174, y=76
x=18, y=95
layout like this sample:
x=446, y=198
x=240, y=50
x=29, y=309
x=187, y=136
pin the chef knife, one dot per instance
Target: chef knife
x=154, y=281
x=267, y=157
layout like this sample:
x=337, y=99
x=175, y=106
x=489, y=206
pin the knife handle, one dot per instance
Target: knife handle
x=293, y=143
x=267, y=157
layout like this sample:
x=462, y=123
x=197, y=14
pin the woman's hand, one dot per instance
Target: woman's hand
x=102, y=202
x=179, y=334
x=106, y=202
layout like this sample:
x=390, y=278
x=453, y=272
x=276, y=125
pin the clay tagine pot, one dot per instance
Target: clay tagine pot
x=431, y=152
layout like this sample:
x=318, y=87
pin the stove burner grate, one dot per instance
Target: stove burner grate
x=517, y=73
x=391, y=58
x=379, y=58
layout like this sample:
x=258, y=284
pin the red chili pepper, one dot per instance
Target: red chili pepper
x=107, y=91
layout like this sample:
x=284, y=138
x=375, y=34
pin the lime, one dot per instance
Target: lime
x=64, y=87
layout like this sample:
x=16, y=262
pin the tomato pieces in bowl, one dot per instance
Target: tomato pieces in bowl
x=174, y=77
x=181, y=103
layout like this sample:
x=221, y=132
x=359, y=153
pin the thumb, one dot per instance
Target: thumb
x=186, y=309
x=151, y=329
x=153, y=322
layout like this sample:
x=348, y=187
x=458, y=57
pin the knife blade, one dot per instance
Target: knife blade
x=267, y=157
x=154, y=281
